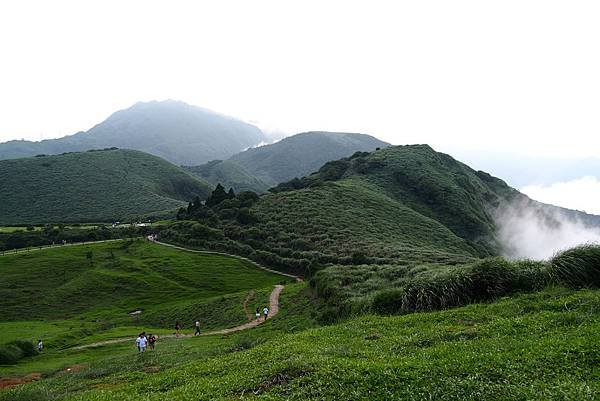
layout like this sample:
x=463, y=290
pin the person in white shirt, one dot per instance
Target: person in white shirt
x=266, y=312
x=40, y=346
x=197, y=332
x=141, y=342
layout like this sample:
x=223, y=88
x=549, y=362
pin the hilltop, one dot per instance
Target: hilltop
x=173, y=130
x=102, y=185
x=260, y=168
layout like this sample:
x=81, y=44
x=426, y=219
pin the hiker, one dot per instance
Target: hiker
x=151, y=341
x=197, y=332
x=266, y=312
x=177, y=329
x=40, y=345
x=257, y=314
x=141, y=342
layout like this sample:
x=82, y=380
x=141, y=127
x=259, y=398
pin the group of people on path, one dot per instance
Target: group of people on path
x=265, y=313
x=144, y=341
x=178, y=329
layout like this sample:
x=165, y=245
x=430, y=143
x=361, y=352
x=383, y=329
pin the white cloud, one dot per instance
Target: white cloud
x=580, y=194
x=536, y=232
x=487, y=75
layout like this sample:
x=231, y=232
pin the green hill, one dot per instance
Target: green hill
x=402, y=203
x=408, y=207
x=92, y=186
x=173, y=130
x=262, y=167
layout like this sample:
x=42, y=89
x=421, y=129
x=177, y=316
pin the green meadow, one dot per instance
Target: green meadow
x=81, y=294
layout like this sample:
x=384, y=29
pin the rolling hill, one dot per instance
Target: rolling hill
x=101, y=185
x=175, y=131
x=401, y=204
x=262, y=167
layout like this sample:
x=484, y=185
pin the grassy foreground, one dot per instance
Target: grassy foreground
x=539, y=346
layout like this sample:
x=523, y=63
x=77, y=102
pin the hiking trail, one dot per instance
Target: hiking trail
x=273, y=310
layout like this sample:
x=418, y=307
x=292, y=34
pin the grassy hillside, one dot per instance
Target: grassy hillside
x=230, y=175
x=257, y=169
x=172, y=130
x=538, y=346
x=92, y=186
x=93, y=288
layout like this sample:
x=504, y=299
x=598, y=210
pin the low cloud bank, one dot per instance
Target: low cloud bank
x=581, y=194
x=528, y=230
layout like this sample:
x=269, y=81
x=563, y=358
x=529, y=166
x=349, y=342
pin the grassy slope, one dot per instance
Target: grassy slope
x=61, y=288
x=430, y=183
x=294, y=316
x=230, y=175
x=92, y=186
x=534, y=346
x=352, y=216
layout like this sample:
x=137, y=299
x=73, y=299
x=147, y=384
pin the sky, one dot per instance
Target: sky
x=479, y=80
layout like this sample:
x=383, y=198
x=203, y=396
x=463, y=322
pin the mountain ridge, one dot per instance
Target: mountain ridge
x=260, y=168
x=174, y=130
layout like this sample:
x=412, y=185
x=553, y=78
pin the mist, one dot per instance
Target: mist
x=529, y=230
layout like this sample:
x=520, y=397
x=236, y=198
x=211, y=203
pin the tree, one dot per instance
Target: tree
x=217, y=196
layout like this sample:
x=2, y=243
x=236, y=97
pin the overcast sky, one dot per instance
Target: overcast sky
x=468, y=77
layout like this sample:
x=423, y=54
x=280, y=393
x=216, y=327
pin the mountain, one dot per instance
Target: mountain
x=175, y=131
x=262, y=167
x=97, y=186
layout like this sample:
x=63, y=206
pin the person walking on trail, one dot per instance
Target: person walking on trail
x=197, y=332
x=141, y=342
x=266, y=312
x=40, y=345
x=177, y=329
x=257, y=314
x=151, y=341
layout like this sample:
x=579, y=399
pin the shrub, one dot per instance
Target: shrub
x=577, y=267
x=26, y=346
x=10, y=354
x=389, y=301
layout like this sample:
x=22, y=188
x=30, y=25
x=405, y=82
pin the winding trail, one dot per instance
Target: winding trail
x=273, y=298
x=273, y=310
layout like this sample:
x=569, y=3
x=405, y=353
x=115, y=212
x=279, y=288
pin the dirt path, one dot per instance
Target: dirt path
x=273, y=310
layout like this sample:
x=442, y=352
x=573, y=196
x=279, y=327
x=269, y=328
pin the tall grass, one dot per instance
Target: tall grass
x=490, y=279
x=577, y=267
x=481, y=281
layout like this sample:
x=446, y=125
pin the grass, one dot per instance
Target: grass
x=533, y=346
x=295, y=315
x=66, y=297
x=94, y=186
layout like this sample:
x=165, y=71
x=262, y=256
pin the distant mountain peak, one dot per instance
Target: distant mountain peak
x=174, y=130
